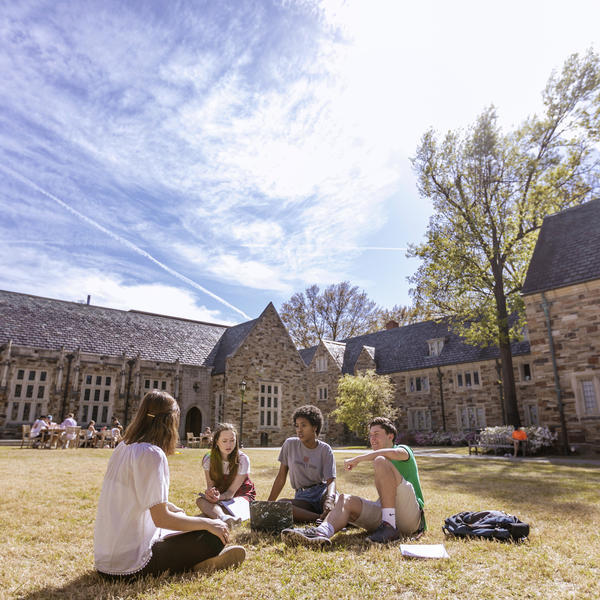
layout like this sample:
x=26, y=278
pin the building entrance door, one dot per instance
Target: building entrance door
x=193, y=421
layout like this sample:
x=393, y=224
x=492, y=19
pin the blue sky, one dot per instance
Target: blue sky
x=201, y=159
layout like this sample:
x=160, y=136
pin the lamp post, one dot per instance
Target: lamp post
x=242, y=392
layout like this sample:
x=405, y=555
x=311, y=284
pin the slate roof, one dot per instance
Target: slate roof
x=567, y=250
x=406, y=349
x=49, y=324
x=337, y=350
x=307, y=354
x=228, y=344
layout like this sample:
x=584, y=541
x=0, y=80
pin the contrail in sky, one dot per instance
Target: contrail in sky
x=123, y=241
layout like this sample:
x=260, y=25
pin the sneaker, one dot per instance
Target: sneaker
x=384, y=533
x=310, y=536
x=232, y=556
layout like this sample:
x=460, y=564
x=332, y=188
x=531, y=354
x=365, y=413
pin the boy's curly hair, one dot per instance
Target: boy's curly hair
x=312, y=414
x=384, y=423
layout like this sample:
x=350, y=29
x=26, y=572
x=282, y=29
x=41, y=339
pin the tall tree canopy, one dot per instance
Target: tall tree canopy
x=490, y=192
x=338, y=312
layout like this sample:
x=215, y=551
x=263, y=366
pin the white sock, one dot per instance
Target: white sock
x=326, y=529
x=388, y=515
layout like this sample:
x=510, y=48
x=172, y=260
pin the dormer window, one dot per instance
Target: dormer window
x=435, y=346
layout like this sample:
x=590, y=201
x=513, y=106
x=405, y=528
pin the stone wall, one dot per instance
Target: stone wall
x=333, y=432
x=266, y=357
x=575, y=323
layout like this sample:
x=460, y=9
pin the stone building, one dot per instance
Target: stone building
x=441, y=382
x=61, y=357
x=562, y=300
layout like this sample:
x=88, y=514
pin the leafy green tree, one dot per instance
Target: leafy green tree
x=362, y=397
x=491, y=191
x=339, y=312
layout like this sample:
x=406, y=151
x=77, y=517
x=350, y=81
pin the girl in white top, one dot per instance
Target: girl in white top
x=226, y=469
x=134, y=512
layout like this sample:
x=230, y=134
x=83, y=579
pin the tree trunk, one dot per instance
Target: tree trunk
x=508, y=377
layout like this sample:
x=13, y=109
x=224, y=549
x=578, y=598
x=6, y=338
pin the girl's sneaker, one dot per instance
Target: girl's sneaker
x=309, y=536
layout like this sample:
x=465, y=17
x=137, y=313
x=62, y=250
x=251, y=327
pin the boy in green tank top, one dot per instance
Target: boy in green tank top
x=397, y=513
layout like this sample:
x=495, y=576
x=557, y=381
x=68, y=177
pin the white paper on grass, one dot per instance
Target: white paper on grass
x=240, y=507
x=424, y=550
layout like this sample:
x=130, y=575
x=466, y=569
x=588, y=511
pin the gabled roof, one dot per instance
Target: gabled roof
x=369, y=350
x=231, y=340
x=337, y=350
x=567, y=250
x=50, y=324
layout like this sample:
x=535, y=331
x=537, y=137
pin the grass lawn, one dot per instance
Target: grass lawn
x=49, y=499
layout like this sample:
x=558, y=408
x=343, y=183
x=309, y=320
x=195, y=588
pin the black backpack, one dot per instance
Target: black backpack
x=486, y=524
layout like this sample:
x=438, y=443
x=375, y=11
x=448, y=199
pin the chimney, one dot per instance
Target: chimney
x=89, y=298
x=392, y=324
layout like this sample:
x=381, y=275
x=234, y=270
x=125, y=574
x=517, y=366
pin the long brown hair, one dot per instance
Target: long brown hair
x=156, y=422
x=216, y=460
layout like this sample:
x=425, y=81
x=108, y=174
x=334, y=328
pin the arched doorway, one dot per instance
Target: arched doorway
x=193, y=421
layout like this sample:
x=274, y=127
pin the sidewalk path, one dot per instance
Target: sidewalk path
x=438, y=453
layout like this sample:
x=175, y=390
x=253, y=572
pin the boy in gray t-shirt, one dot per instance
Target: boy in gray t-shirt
x=311, y=466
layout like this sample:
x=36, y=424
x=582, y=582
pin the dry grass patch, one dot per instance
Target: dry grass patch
x=49, y=503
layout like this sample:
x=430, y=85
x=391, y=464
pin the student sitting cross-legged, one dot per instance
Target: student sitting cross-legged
x=399, y=510
x=311, y=466
x=138, y=531
x=226, y=469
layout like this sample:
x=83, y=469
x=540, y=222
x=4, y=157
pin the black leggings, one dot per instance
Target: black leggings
x=177, y=553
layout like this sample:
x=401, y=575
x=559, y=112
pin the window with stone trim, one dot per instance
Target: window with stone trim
x=96, y=398
x=28, y=397
x=531, y=414
x=156, y=384
x=470, y=417
x=321, y=364
x=587, y=394
x=417, y=383
x=419, y=419
x=269, y=404
x=466, y=379
x=525, y=372
x=322, y=393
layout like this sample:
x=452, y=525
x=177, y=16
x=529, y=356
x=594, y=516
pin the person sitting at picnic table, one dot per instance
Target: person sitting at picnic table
x=67, y=438
x=38, y=426
x=90, y=433
x=226, y=469
x=399, y=510
x=138, y=531
x=518, y=436
x=311, y=466
x=115, y=423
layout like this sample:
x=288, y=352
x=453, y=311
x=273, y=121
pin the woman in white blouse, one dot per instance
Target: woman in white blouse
x=138, y=531
x=229, y=490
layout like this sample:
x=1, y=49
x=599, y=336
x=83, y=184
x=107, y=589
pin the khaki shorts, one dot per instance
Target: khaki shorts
x=408, y=511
